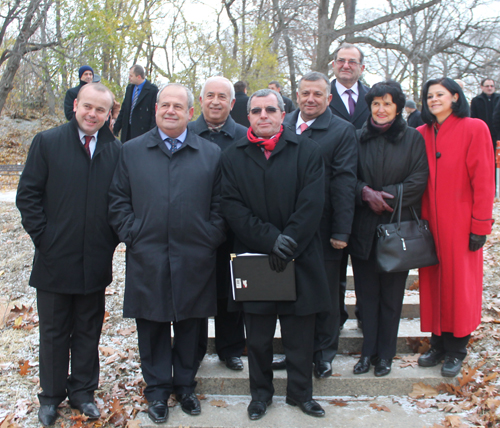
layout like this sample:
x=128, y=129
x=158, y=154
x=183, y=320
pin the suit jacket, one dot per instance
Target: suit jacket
x=239, y=112
x=361, y=111
x=263, y=198
x=230, y=132
x=63, y=200
x=143, y=116
x=414, y=120
x=339, y=147
x=166, y=208
x=289, y=106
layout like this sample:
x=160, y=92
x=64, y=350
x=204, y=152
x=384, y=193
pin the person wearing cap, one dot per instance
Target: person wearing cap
x=86, y=75
x=414, y=120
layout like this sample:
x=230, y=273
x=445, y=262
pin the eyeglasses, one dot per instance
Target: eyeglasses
x=488, y=86
x=269, y=110
x=351, y=62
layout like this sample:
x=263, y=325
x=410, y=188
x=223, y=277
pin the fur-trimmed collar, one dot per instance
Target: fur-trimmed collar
x=394, y=134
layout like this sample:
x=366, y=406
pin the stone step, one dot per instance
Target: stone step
x=412, y=277
x=411, y=304
x=351, y=338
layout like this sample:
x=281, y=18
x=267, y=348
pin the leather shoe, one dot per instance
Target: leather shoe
x=256, y=409
x=431, y=358
x=383, y=367
x=279, y=363
x=451, y=366
x=189, y=403
x=88, y=409
x=362, y=366
x=233, y=363
x=158, y=411
x=311, y=407
x=47, y=414
x=322, y=369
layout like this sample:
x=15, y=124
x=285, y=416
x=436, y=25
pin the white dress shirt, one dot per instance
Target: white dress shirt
x=93, y=141
x=345, y=97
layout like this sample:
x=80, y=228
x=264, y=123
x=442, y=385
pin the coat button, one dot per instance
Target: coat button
x=438, y=155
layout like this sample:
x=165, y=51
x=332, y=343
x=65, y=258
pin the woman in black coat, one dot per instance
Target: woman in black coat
x=390, y=153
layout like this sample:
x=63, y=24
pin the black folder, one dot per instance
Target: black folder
x=253, y=280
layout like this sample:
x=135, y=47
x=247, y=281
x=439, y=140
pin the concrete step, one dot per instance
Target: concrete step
x=411, y=304
x=351, y=338
x=412, y=277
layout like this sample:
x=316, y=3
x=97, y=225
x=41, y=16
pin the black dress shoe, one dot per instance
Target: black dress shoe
x=431, y=358
x=158, y=411
x=233, y=363
x=362, y=366
x=88, y=409
x=279, y=363
x=322, y=369
x=311, y=407
x=47, y=414
x=451, y=366
x=383, y=367
x=256, y=409
x=189, y=403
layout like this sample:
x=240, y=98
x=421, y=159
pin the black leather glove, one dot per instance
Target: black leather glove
x=375, y=200
x=476, y=241
x=284, y=246
x=277, y=263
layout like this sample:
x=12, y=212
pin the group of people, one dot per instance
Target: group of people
x=309, y=185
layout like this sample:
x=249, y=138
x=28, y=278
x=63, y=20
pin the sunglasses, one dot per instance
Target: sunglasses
x=269, y=110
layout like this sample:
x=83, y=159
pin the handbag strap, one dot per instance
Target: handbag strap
x=399, y=205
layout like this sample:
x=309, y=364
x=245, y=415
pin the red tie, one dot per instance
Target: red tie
x=88, y=138
x=303, y=127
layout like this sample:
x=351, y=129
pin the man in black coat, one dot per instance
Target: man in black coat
x=483, y=106
x=137, y=115
x=338, y=146
x=63, y=200
x=239, y=111
x=165, y=205
x=275, y=86
x=414, y=120
x=348, y=102
x=86, y=75
x=272, y=197
x=216, y=125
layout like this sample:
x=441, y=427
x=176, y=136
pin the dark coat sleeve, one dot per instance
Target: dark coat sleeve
x=496, y=119
x=154, y=94
x=474, y=107
x=124, y=111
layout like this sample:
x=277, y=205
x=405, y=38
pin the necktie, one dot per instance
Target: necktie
x=134, y=100
x=303, y=127
x=86, y=146
x=173, y=144
x=351, y=102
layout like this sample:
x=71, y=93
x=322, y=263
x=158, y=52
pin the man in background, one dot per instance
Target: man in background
x=239, y=111
x=86, y=75
x=414, y=120
x=483, y=106
x=137, y=114
x=275, y=86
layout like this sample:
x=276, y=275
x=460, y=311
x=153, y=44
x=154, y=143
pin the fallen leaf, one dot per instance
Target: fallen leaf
x=127, y=331
x=136, y=423
x=9, y=422
x=339, y=403
x=379, y=408
x=24, y=367
x=107, y=351
x=421, y=390
x=218, y=403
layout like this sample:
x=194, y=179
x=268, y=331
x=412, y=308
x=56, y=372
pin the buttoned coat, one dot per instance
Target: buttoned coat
x=458, y=201
x=361, y=112
x=230, y=132
x=166, y=208
x=339, y=148
x=143, y=115
x=262, y=199
x=63, y=200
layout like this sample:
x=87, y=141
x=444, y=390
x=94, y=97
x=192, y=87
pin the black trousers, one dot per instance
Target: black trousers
x=229, y=333
x=455, y=347
x=326, y=328
x=380, y=301
x=69, y=324
x=168, y=366
x=297, y=334
x=344, y=315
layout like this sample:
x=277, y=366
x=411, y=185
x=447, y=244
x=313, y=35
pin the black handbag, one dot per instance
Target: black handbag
x=404, y=245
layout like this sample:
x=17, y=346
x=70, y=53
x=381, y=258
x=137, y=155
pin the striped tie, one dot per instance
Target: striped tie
x=134, y=101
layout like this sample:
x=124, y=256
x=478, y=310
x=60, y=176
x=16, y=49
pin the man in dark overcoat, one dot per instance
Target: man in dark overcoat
x=216, y=125
x=339, y=148
x=164, y=204
x=275, y=86
x=483, y=106
x=63, y=200
x=86, y=75
x=272, y=197
x=239, y=110
x=137, y=115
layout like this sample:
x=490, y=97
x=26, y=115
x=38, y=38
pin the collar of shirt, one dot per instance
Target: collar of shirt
x=93, y=141
x=345, y=97
x=180, y=139
x=138, y=88
x=300, y=121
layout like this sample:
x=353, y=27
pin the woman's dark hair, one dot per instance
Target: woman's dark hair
x=390, y=87
x=459, y=108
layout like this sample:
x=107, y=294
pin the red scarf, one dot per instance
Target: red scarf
x=268, y=145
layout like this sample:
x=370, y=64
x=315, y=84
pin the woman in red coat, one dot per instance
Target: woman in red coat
x=458, y=204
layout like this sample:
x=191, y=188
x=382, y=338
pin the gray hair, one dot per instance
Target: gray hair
x=215, y=79
x=349, y=46
x=314, y=76
x=264, y=93
x=189, y=94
